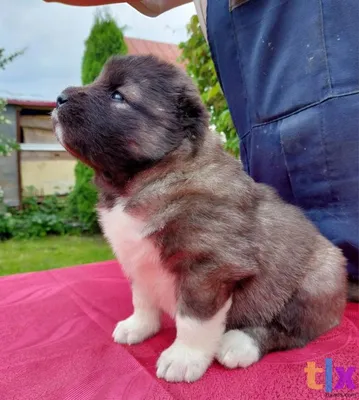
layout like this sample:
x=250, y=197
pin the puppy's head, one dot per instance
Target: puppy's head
x=136, y=112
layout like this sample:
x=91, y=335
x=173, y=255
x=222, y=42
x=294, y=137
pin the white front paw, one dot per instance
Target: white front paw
x=237, y=349
x=181, y=363
x=135, y=329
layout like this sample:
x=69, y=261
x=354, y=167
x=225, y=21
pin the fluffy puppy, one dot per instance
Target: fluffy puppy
x=240, y=271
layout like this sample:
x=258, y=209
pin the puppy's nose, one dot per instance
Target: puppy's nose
x=61, y=99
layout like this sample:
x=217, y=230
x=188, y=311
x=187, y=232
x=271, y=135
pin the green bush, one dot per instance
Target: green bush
x=6, y=225
x=37, y=219
x=105, y=39
x=83, y=198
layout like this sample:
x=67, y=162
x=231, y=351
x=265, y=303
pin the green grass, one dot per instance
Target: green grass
x=51, y=252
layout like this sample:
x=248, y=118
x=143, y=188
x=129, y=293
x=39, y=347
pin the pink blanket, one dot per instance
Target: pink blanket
x=55, y=337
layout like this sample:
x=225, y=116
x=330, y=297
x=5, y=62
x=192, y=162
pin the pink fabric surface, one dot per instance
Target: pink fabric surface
x=55, y=336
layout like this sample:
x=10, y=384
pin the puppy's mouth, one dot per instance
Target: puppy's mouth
x=60, y=136
x=58, y=130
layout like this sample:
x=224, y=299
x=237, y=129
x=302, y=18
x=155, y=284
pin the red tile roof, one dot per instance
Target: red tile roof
x=31, y=103
x=166, y=51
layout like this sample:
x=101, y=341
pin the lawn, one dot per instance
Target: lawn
x=51, y=252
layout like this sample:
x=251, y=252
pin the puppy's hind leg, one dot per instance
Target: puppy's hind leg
x=242, y=348
x=315, y=308
x=238, y=349
x=304, y=318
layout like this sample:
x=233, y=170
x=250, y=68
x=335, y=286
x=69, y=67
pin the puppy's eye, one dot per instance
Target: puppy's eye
x=117, y=96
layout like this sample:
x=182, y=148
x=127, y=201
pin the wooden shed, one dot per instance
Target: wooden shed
x=42, y=165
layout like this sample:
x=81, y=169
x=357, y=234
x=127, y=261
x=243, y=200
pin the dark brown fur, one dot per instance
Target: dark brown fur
x=220, y=233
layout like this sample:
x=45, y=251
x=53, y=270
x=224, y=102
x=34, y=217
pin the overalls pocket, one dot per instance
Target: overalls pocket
x=284, y=64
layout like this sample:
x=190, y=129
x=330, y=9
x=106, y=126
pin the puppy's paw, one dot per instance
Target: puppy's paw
x=181, y=363
x=135, y=329
x=237, y=349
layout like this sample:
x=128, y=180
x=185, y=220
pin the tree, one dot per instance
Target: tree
x=106, y=39
x=6, y=145
x=196, y=54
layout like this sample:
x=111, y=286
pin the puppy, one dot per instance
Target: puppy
x=240, y=271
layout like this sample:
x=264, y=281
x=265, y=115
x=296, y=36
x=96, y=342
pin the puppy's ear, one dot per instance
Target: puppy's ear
x=192, y=113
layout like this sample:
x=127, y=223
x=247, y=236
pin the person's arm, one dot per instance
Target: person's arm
x=151, y=8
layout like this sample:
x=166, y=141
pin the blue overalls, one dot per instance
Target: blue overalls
x=290, y=72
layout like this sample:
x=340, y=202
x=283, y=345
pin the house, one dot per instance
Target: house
x=42, y=163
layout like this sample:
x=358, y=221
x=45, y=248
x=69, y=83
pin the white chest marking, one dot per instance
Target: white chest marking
x=139, y=257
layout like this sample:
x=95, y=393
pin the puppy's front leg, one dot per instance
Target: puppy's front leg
x=142, y=324
x=193, y=351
